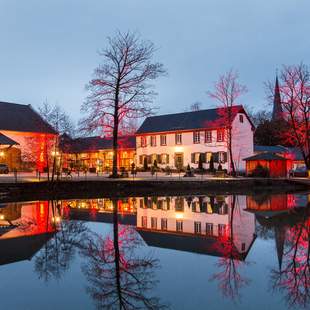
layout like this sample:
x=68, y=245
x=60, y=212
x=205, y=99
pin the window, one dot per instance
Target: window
x=223, y=209
x=220, y=135
x=208, y=156
x=222, y=230
x=195, y=158
x=153, y=158
x=164, y=158
x=208, y=136
x=242, y=246
x=143, y=141
x=209, y=229
x=163, y=140
x=178, y=138
x=179, y=225
x=164, y=225
x=153, y=140
x=196, y=137
x=240, y=118
x=144, y=221
x=153, y=222
x=197, y=227
x=222, y=157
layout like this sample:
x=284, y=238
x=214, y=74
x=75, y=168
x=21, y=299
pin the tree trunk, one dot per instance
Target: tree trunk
x=115, y=132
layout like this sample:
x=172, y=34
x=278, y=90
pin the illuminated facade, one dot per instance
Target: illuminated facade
x=96, y=154
x=176, y=140
x=28, y=140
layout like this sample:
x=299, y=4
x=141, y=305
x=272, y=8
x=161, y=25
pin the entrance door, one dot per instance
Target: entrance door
x=178, y=160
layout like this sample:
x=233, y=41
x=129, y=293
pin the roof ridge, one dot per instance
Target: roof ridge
x=188, y=112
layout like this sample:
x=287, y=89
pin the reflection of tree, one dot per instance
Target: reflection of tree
x=293, y=276
x=117, y=278
x=56, y=255
x=229, y=277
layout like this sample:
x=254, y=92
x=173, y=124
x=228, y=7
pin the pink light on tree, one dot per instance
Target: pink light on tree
x=120, y=90
x=226, y=92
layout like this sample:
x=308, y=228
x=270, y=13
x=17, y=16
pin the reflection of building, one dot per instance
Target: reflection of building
x=101, y=210
x=196, y=224
x=26, y=140
x=96, y=152
x=24, y=229
x=271, y=204
x=177, y=140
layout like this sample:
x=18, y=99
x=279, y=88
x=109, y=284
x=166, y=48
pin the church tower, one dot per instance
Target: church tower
x=277, y=112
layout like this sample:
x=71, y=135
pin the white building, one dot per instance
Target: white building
x=176, y=140
x=197, y=224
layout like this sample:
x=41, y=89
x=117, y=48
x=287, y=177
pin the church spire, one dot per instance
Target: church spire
x=277, y=112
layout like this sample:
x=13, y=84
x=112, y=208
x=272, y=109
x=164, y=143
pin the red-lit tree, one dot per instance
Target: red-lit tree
x=295, y=100
x=229, y=277
x=293, y=276
x=226, y=91
x=121, y=89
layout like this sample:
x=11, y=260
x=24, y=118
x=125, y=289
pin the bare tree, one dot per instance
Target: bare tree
x=120, y=89
x=226, y=91
x=117, y=277
x=61, y=122
x=295, y=100
x=57, y=117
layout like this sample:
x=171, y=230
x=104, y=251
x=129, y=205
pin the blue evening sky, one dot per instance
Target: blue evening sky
x=49, y=48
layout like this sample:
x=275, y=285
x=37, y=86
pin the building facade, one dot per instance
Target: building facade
x=26, y=140
x=176, y=140
x=95, y=154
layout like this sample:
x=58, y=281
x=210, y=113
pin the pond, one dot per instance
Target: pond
x=177, y=252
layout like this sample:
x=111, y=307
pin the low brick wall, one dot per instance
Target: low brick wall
x=123, y=188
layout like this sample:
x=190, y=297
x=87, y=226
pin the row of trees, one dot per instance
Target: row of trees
x=121, y=91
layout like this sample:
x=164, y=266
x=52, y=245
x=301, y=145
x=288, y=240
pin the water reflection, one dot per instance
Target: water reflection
x=120, y=275
x=117, y=277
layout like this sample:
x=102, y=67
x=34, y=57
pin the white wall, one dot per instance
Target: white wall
x=242, y=146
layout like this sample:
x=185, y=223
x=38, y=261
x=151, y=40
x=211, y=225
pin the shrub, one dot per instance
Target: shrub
x=261, y=172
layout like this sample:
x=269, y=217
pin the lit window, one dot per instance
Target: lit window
x=144, y=221
x=178, y=138
x=153, y=140
x=179, y=225
x=197, y=155
x=163, y=140
x=164, y=158
x=220, y=135
x=143, y=141
x=196, y=137
x=209, y=229
x=164, y=225
x=208, y=156
x=197, y=227
x=240, y=118
x=208, y=136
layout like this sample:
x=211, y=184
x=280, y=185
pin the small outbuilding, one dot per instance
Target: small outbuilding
x=277, y=166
